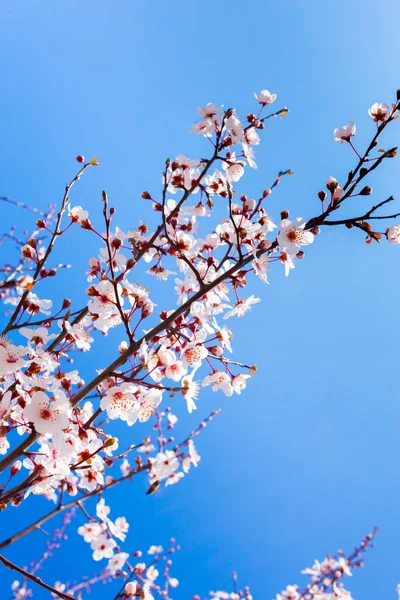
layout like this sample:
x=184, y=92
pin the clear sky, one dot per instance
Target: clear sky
x=306, y=461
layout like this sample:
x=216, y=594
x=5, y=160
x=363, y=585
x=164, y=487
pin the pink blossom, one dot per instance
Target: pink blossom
x=47, y=415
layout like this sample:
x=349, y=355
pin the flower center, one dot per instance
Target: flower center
x=292, y=235
x=45, y=414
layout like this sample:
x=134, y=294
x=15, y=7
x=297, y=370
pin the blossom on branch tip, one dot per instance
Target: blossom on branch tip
x=393, y=234
x=219, y=381
x=379, y=112
x=344, y=134
x=209, y=111
x=265, y=97
x=78, y=215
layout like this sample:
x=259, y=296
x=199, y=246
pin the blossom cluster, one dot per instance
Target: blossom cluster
x=325, y=578
x=210, y=241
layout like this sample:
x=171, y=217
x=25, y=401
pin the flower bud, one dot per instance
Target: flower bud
x=80, y=158
x=66, y=303
x=147, y=309
x=284, y=214
x=300, y=254
x=110, y=442
x=27, y=251
x=15, y=468
x=363, y=171
x=264, y=245
x=332, y=184
x=250, y=204
x=216, y=350
x=40, y=224
x=366, y=191
x=315, y=230
x=116, y=243
x=322, y=195
x=145, y=195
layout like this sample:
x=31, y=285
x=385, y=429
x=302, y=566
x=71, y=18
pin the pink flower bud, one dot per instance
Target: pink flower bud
x=250, y=204
x=332, y=184
x=216, y=350
x=15, y=468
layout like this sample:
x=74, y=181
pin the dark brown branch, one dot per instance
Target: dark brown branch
x=81, y=315
x=60, y=509
x=42, y=261
x=180, y=254
x=34, y=578
x=368, y=215
x=114, y=283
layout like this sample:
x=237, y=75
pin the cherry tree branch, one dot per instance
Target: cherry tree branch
x=368, y=215
x=56, y=233
x=34, y=578
x=72, y=503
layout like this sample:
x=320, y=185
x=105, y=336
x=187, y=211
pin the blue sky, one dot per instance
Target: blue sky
x=306, y=461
